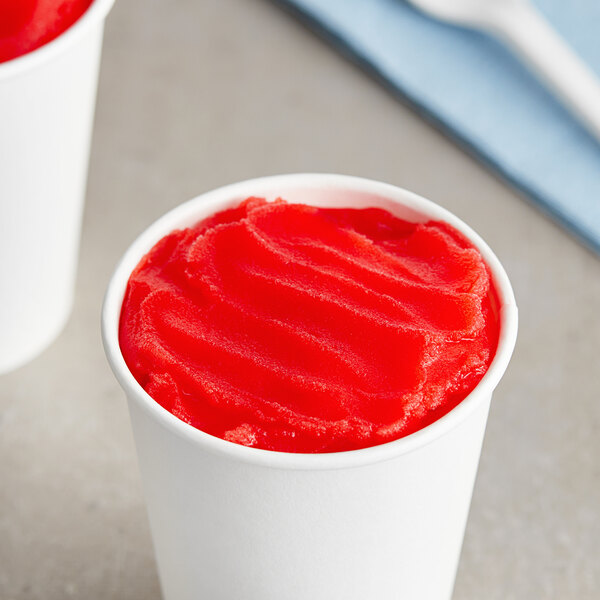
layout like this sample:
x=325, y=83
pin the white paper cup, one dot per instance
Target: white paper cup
x=47, y=100
x=231, y=522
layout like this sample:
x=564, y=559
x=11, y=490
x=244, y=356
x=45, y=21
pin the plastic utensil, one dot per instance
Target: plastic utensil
x=521, y=27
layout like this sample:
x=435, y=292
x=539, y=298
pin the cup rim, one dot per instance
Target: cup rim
x=205, y=204
x=22, y=64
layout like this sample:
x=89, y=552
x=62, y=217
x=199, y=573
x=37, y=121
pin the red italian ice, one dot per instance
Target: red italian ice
x=301, y=329
x=28, y=24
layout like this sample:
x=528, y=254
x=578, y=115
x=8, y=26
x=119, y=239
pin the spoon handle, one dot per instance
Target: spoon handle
x=524, y=29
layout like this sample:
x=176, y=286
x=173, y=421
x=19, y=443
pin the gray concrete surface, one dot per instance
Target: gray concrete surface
x=198, y=94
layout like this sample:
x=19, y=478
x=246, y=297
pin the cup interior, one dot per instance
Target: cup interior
x=96, y=12
x=318, y=190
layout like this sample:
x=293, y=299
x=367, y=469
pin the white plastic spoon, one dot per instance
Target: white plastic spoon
x=522, y=27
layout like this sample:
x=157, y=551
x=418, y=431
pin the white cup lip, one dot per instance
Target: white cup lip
x=194, y=210
x=97, y=11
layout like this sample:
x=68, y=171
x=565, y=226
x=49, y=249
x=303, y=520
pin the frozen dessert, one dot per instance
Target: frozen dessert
x=28, y=24
x=301, y=329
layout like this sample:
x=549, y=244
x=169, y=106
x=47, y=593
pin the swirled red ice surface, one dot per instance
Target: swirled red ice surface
x=300, y=329
x=25, y=25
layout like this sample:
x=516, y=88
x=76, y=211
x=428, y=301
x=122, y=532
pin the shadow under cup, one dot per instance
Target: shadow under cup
x=383, y=522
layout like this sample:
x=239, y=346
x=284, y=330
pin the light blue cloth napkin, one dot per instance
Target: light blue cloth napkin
x=482, y=96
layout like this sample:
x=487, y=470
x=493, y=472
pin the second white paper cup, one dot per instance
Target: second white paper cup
x=47, y=100
x=231, y=522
